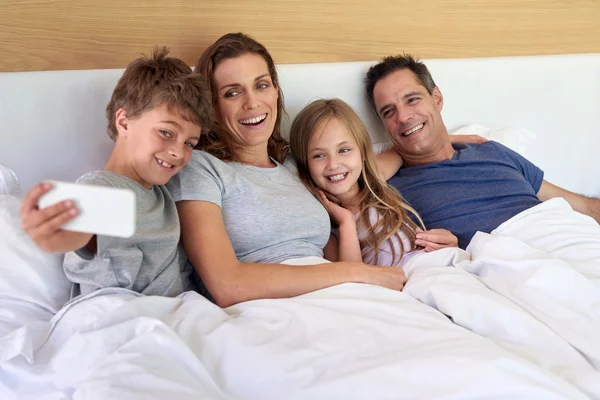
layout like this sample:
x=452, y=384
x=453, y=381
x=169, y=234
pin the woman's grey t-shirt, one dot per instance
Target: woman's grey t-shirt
x=269, y=215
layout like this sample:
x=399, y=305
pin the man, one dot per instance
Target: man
x=462, y=188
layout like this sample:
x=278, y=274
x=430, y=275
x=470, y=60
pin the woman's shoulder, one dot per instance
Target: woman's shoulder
x=203, y=157
x=203, y=161
x=290, y=164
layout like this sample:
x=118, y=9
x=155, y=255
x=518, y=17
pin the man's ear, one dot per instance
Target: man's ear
x=121, y=122
x=438, y=98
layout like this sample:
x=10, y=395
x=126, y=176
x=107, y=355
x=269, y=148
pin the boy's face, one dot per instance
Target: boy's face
x=157, y=144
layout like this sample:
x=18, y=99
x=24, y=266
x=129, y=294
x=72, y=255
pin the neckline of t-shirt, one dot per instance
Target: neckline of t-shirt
x=149, y=192
x=455, y=156
x=261, y=169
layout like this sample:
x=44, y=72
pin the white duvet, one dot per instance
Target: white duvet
x=522, y=321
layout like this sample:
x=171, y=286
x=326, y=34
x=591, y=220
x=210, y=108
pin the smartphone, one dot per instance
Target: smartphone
x=103, y=210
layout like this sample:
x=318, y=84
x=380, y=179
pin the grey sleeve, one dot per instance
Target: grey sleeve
x=201, y=179
x=92, y=178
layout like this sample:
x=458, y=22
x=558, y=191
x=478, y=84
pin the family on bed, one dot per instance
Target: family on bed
x=260, y=218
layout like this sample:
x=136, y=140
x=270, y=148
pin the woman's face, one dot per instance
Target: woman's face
x=247, y=100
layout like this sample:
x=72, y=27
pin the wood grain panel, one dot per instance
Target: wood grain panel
x=88, y=34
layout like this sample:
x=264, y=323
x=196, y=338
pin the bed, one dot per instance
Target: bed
x=516, y=315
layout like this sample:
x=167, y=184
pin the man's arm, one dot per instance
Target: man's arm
x=388, y=163
x=582, y=204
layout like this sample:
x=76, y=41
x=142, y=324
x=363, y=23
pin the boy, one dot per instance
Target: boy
x=155, y=116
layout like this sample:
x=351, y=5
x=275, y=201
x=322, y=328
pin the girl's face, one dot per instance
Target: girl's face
x=334, y=160
x=247, y=99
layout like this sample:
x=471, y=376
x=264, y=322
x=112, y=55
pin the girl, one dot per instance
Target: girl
x=336, y=163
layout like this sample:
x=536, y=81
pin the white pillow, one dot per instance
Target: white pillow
x=381, y=147
x=26, y=272
x=9, y=184
x=517, y=139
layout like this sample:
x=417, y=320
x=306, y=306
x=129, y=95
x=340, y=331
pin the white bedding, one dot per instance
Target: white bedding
x=525, y=306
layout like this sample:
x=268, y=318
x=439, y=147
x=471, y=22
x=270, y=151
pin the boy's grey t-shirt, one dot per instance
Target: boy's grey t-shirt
x=148, y=262
x=268, y=213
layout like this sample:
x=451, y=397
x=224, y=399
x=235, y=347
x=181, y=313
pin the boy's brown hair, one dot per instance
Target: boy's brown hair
x=149, y=82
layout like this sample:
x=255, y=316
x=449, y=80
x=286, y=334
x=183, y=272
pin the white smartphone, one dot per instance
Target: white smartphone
x=102, y=210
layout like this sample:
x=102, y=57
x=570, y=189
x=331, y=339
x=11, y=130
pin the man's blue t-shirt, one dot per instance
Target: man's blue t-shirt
x=482, y=186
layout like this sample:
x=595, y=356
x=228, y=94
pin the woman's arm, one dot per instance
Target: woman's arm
x=230, y=281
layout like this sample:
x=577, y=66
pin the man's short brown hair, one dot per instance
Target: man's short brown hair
x=149, y=82
x=389, y=65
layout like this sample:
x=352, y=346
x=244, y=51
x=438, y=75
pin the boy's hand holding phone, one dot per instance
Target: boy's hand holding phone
x=62, y=217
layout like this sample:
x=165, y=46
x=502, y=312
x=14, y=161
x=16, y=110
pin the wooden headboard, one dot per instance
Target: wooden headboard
x=94, y=34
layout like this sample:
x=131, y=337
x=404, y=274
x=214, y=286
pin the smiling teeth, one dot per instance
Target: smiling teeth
x=164, y=164
x=413, y=130
x=337, y=177
x=255, y=120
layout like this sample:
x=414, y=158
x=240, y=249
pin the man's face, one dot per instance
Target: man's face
x=411, y=115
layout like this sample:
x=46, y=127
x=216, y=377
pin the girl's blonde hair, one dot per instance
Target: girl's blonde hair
x=375, y=192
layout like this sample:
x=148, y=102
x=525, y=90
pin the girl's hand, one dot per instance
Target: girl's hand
x=339, y=214
x=435, y=239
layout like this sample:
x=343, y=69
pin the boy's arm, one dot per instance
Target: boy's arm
x=43, y=226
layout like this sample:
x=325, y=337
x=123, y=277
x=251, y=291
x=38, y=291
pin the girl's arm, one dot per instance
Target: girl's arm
x=347, y=244
x=435, y=239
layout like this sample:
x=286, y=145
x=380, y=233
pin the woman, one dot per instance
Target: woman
x=245, y=215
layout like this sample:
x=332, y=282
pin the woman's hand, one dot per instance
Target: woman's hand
x=387, y=277
x=435, y=239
